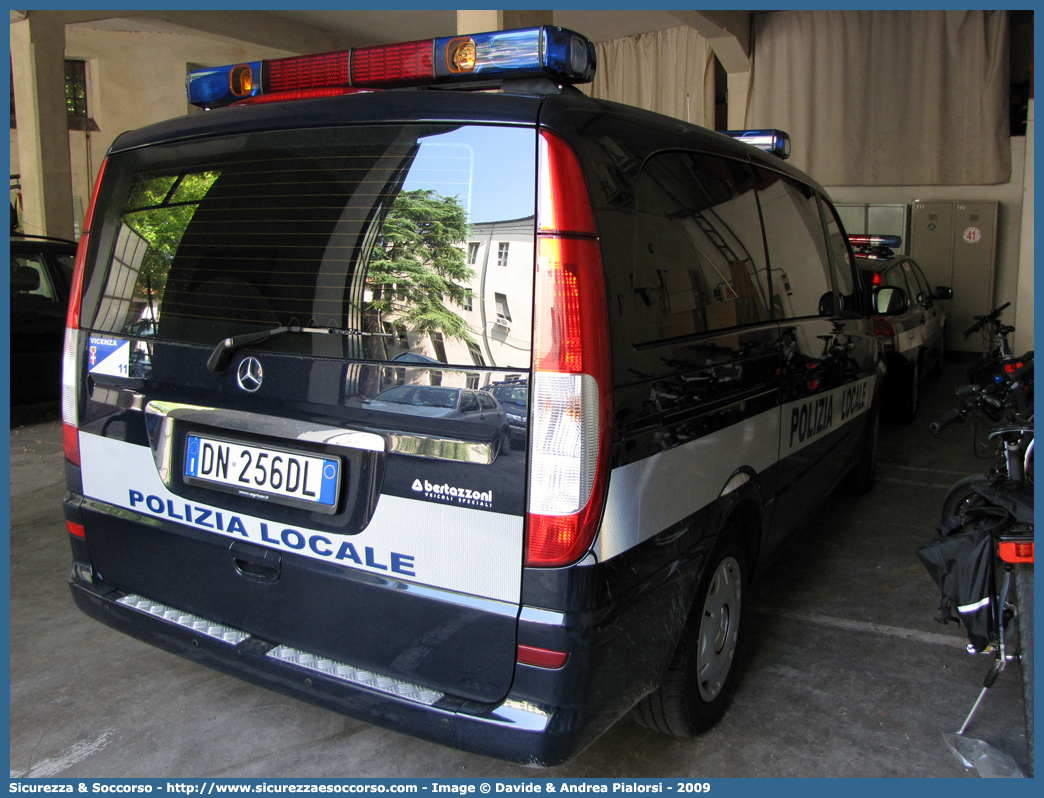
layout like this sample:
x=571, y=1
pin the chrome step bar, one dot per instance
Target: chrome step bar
x=302, y=659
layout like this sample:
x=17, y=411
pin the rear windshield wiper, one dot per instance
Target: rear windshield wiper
x=222, y=354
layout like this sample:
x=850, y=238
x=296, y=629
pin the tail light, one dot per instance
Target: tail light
x=1015, y=551
x=571, y=392
x=885, y=331
x=71, y=358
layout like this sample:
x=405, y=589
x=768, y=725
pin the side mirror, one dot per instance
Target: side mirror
x=888, y=300
x=826, y=304
x=943, y=292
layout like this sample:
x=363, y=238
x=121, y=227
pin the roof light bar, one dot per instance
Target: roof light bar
x=776, y=142
x=223, y=85
x=546, y=51
x=893, y=242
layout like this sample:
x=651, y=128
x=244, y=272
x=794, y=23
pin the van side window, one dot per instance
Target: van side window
x=837, y=250
x=798, y=259
x=699, y=252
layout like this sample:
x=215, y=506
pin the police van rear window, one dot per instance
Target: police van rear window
x=412, y=240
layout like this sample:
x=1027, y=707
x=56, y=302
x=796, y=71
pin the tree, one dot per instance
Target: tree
x=417, y=264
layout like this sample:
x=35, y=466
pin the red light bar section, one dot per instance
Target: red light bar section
x=306, y=71
x=390, y=64
x=859, y=240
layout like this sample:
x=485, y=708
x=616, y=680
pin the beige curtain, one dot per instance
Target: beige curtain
x=886, y=97
x=667, y=71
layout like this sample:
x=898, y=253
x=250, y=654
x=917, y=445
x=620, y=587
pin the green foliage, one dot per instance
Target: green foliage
x=418, y=265
x=159, y=210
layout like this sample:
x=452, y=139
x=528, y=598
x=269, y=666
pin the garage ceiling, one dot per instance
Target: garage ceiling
x=355, y=28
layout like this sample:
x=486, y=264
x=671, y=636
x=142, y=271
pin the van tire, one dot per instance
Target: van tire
x=687, y=702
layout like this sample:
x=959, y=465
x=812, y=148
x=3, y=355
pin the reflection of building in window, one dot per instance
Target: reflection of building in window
x=499, y=343
x=498, y=313
x=397, y=334
x=476, y=354
x=127, y=258
x=439, y=344
x=503, y=313
x=440, y=347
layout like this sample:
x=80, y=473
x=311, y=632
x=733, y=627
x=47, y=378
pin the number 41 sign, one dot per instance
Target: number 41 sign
x=972, y=235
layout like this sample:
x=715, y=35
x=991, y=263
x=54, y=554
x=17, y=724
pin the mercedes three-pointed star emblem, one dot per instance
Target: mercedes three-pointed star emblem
x=250, y=374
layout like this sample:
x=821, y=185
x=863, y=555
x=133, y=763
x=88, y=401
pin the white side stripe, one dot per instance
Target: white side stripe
x=649, y=495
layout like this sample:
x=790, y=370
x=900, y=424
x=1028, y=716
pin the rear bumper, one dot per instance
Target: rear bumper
x=514, y=730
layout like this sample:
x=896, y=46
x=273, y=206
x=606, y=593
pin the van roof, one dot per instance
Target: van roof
x=441, y=106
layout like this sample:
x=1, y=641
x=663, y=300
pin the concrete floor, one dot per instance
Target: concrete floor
x=848, y=673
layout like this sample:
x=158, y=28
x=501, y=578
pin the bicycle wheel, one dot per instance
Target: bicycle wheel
x=962, y=496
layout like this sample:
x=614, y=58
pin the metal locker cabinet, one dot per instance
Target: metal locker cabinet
x=955, y=243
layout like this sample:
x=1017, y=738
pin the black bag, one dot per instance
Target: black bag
x=960, y=561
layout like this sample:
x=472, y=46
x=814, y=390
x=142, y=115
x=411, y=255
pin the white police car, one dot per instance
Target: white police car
x=908, y=320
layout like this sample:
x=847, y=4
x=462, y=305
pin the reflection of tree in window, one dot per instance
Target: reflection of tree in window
x=417, y=267
x=157, y=214
x=159, y=210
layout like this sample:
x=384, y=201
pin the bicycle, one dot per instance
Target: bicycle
x=982, y=555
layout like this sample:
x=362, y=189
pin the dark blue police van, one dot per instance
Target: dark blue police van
x=285, y=456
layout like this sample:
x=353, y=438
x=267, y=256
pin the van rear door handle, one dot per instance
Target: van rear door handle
x=256, y=562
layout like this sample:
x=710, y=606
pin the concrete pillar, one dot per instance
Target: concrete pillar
x=38, y=69
x=728, y=33
x=471, y=21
